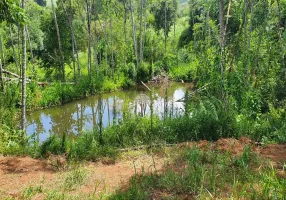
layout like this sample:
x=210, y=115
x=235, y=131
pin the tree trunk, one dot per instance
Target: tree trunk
x=226, y=23
x=31, y=49
x=141, y=35
x=221, y=30
x=1, y=68
x=1, y=78
x=96, y=53
x=59, y=43
x=281, y=43
x=145, y=26
x=74, y=41
x=175, y=21
x=74, y=46
x=250, y=28
x=112, y=51
x=134, y=34
x=2, y=52
x=125, y=33
x=165, y=30
x=23, y=121
x=13, y=49
x=106, y=39
x=88, y=4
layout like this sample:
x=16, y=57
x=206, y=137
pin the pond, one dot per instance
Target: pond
x=106, y=109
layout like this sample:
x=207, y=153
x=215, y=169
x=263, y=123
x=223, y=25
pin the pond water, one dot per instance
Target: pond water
x=106, y=109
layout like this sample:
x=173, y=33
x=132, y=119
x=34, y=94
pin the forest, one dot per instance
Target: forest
x=190, y=95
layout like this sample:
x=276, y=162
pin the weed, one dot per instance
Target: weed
x=75, y=178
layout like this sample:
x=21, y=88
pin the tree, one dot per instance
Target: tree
x=60, y=57
x=24, y=62
x=164, y=12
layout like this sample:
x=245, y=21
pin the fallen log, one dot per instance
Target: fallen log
x=193, y=93
x=10, y=73
x=148, y=147
x=15, y=79
x=146, y=86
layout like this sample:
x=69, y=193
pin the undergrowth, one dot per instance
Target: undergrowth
x=210, y=174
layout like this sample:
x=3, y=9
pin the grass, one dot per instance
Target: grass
x=198, y=174
x=75, y=178
x=191, y=173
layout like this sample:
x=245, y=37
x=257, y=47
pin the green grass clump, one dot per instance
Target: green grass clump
x=210, y=174
x=75, y=178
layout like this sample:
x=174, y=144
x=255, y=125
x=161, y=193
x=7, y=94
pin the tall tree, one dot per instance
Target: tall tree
x=60, y=57
x=221, y=33
x=134, y=34
x=88, y=16
x=23, y=121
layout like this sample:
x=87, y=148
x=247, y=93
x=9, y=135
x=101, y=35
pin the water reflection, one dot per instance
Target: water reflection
x=100, y=111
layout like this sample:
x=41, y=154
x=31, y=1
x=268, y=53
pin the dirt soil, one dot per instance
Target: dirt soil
x=18, y=173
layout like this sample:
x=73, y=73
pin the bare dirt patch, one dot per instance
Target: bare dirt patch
x=18, y=173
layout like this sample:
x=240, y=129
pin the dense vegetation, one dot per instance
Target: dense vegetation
x=56, y=51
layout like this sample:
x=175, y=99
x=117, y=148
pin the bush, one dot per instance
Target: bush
x=143, y=73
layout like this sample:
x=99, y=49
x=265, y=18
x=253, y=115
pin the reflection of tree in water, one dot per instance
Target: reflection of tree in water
x=141, y=102
x=35, y=120
x=62, y=119
x=102, y=110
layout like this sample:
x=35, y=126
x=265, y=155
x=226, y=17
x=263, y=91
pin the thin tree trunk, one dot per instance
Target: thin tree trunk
x=165, y=31
x=134, y=35
x=141, y=35
x=1, y=68
x=226, y=23
x=19, y=50
x=13, y=48
x=73, y=60
x=70, y=17
x=248, y=45
x=279, y=32
x=111, y=41
x=257, y=54
x=88, y=4
x=175, y=21
x=2, y=51
x=221, y=25
x=1, y=78
x=74, y=49
x=31, y=49
x=59, y=42
x=250, y=28
x=95, y=53
x=23, y=121
x=145, y=26
x=106, y=39
x=125, y=33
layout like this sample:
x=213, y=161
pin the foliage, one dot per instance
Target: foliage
x=11, y=12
